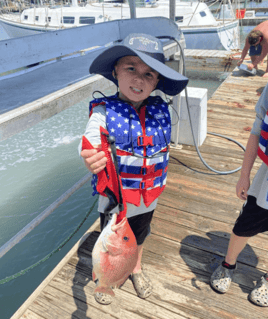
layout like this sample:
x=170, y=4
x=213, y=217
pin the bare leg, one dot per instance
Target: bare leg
x=137, y=268
x=236, y=245
x=253, y=59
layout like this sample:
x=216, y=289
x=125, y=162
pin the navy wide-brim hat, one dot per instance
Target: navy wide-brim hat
x=150, y=50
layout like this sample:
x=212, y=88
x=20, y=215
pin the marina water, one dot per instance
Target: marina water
x=36, y=167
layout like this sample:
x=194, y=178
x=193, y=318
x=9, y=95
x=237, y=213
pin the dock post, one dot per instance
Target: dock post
x=132, y=7
x=172, y=9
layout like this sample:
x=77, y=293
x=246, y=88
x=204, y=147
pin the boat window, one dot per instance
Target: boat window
x=179, y=19
x=69, y=20
x=48, y=19
x=87, y=20
x=25, y=17
x=202, y=13
x=36, y=18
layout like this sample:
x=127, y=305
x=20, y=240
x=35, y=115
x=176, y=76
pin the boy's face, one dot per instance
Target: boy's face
x=136, y=80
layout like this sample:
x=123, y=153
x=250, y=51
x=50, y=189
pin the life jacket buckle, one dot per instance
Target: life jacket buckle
x=148, y=183
x=145, y=140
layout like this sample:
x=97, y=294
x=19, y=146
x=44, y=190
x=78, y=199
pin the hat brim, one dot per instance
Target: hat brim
x=171, y=82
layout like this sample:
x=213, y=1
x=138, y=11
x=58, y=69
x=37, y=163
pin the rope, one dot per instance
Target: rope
x=23, y=272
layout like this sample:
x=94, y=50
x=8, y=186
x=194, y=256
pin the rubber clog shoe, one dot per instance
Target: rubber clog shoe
x=221, y=279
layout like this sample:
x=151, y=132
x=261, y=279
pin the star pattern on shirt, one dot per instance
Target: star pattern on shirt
x=123, y=121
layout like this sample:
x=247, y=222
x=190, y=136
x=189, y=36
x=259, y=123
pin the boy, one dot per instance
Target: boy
x=253, y=218
x=257, y=45
x=141, y=127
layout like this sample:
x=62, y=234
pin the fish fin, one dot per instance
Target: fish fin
x=104, y=290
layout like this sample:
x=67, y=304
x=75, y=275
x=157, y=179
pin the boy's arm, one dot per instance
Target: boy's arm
x=252, y=146
x=249, y=159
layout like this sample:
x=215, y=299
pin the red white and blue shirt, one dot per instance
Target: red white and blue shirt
x=259, y=185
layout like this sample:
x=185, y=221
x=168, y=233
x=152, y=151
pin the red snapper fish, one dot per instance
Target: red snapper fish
x=115, y=253
x=114, y=256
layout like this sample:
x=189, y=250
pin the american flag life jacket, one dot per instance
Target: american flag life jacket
x=142, y=142
x=263, y=141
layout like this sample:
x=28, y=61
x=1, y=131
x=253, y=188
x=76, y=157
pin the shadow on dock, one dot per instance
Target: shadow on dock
x=217, y=243
x=83, y=276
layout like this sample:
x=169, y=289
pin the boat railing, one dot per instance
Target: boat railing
x=21, y=52
x=15, y=49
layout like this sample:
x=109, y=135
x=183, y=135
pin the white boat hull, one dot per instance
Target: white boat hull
x=224, y=37
x=201, y=30
x=16, y=29
x=209, y=38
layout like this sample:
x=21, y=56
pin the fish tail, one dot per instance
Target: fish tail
x=105, y=290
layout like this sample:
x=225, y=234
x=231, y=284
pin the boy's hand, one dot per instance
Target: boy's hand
x=242, y=187
x=94, y=159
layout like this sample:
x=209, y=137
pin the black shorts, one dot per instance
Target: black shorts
x=252, y=220
x=139, y=224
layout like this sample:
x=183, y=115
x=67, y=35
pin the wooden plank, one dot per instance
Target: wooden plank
x=31, y=315
x=177, y=302
x=157, y=245
x=208, y=60
x=124, y=306
x=56, y=303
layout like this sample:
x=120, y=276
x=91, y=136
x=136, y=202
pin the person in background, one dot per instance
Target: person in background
x=253, y=218
x=257, y=45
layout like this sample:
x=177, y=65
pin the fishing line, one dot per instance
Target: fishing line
x=191, y=125
x=23, y=272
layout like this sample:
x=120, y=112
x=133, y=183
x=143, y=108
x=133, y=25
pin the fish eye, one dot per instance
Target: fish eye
x=126, y=238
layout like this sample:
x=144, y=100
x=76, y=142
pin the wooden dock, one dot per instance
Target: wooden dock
x=190, y=232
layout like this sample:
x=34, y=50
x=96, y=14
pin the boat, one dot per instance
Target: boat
x=201, y=29
x=48, y=18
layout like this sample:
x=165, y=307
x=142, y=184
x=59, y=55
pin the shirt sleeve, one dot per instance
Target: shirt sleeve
x=92, y=132
x=261, y=109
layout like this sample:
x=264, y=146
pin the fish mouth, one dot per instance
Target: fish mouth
x=107, y=231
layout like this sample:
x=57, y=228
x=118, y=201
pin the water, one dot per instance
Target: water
x=36, y=167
